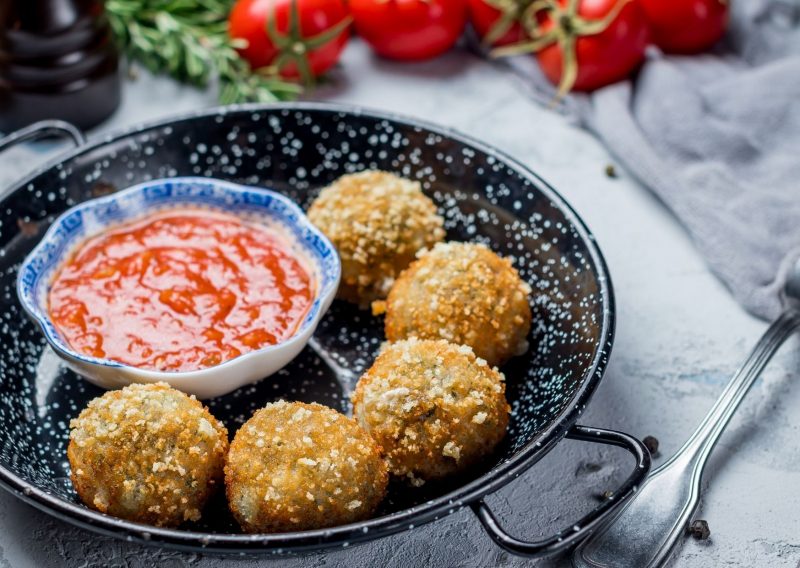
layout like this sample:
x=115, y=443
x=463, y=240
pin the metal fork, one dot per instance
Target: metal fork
x=644, y=533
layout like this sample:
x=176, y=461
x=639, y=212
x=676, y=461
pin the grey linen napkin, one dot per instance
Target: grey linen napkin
x=717, y=138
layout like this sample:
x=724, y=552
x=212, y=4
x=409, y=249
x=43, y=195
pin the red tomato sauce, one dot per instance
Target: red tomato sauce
x=179, y=291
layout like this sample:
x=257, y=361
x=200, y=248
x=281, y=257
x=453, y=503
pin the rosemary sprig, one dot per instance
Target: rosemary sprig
x=188, y=39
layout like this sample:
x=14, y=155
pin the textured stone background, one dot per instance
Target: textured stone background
x=679, y=337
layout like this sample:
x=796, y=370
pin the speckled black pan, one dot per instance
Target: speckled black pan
x=298, y=148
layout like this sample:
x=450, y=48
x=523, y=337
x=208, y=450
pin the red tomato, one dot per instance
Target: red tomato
x=496, y=21
x=311, y=48
x=686, y=26
x=583, y=45
x=409, y=30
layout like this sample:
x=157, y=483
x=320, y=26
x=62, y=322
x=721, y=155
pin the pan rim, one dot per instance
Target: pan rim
x=370, y=529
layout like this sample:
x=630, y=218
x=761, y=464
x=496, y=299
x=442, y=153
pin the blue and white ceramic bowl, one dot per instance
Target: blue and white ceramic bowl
x=93, y=216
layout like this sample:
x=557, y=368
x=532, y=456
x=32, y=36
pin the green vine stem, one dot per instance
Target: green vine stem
x=567, y=28
x=511, y=12
x=294, y=48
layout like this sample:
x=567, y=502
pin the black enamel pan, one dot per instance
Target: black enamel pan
x=297, y=148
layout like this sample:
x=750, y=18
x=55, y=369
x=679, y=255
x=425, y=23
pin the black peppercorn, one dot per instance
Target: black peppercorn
x=699, y=530
x=651, y=443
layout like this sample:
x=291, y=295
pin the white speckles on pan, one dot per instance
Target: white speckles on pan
x=297, y=150
x=47, y=370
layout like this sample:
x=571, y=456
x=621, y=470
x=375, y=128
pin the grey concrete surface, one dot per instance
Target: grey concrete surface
x=679, y=337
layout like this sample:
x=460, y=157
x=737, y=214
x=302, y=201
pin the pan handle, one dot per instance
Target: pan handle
x=584, y=527
x=43, y=129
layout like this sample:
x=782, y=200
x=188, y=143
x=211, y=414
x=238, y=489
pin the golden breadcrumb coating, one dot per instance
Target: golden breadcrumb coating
x=296, y=466
x=377, y=221
x=433, y=407
x=466, y=294
x=147, y=453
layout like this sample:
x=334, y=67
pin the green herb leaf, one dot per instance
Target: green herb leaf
x=188, y=40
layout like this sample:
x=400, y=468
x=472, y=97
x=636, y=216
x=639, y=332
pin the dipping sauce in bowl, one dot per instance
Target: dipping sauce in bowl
x=180, y=290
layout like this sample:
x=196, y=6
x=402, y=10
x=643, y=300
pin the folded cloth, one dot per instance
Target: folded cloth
x=717, y=138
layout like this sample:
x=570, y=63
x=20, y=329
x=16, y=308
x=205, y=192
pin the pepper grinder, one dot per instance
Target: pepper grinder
x=57, y=60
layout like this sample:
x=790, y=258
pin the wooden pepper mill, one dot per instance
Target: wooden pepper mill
x=57, y=60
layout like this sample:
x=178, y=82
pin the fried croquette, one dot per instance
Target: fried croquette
x=147, y=453
x=433, y=407
x=296, y=466
x=377, y=221
x=466, y=294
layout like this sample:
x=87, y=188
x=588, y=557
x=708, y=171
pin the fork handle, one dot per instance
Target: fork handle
x=646, y=530
x=700, y=444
